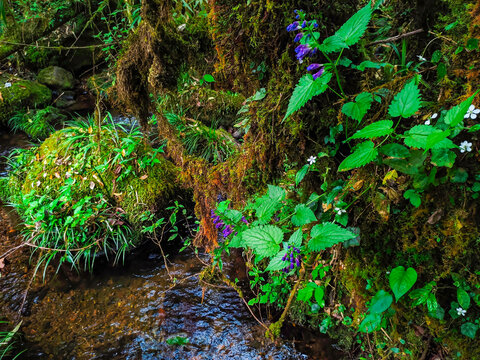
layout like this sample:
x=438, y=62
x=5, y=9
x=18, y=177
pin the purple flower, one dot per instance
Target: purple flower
x=293, y=26
x=297, y=17
x=315, y=25
x=298, y=37
x=244, y=220
x=304, y=24
x=302, y=51
x=219, y=225
x=313, y=67
x=227, y=231
x=318, y=74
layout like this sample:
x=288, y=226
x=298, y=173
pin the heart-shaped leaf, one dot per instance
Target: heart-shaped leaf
x=402, y=280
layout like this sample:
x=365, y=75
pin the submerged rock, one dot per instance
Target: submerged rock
x=56, y=77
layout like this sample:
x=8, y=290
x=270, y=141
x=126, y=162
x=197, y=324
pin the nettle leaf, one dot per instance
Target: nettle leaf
x=363, y=154
x=469, y=329
x=407, y=102
x=303, y=215
x=296, y=239
x=355, y=27
x=276, y=193
x=268, y=204
x=377, y=129
x=463, y=298
x=395, y=151
x=443, y=157
x=357, y=110
x=306, y=293
x=370, y=323
x=413, y=196
x=306, y=89
x=277, y=263
x=436, y=139
x=417, y=137
x=456, y=114
x=264, y=240
x=331, y=44
x=380, y=302
x=324, y=236
x=301, y=174
x=319, y=296
x=402, y=280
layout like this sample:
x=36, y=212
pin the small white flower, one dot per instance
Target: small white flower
x=181, y=27
x=339, y=211
x=460, y=311
x=312, y=159
x=465, y=146
x=472, y=112
x=427, y=122
x=421, y=58
x=7, y=84
x=434, y=116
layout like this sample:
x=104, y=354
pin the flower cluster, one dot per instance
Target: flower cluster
x=295, y=258
x=220, y=225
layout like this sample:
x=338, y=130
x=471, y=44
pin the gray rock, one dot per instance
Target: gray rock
x=56, y=77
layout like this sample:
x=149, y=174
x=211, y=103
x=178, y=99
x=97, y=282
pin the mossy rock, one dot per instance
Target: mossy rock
x=56, y=77
x=19, y=94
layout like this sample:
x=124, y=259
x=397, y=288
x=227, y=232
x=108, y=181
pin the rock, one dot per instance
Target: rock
x=65, y=99
x=56, y=77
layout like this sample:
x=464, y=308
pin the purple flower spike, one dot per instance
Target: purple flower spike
x=244, y=220
x=227, y=231
x=284, y=257
x=216, y=219
x=318, y=74
x=219, y=224
x=298, y=262
x=297, y=17
x=315, y=25
x=304, y=24
x=293, y=26
x=298, y=37
x=313, y=67
x=292, y=266
x=302, y=51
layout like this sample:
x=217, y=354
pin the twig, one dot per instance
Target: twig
x=398, y=37
x=12, y=250
x=51, y=47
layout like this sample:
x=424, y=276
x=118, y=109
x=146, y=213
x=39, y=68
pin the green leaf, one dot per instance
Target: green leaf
x=436, y=140
x=277, y=263
x=276, y=193
x=413, y=196
x=369, y=65
x=301, y=174
x=208, y=78
x=402, y=280
x=306, y=293
x=443, y=157
x=417, y=136
x=395, y=151
x=268, y=204
x=332, y=44
x=432, y=303
x=463, y=298
x=319, y=294
x=306, y=89
x=370, y=323
x=407, y=102
x=264, y=240
x=303, y=215
x=324, y=236
x=357, y=110
x=374, y=130
x=363, y=154
x=380, y=302
x=469, y=330
x=296, y=239
x=354, y=28
x=456, y=114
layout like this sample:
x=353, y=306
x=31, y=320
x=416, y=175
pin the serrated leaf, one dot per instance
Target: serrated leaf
x=306, y=293
x=374, y=130
x=402, y=280
x=301, y=174
x=380, y=302
x=296, y=239
x=370, y=323
x=413, y=196
x=303, y=215
x=363, y=154
x=469, y=329
x=407, y=102
x=332, y=44
x=417, y=136
x=456, y=114
x=268, y=204
x=264, y=240
x=354, y=28
x=276, y=193
x=436, y=139
x=463, y=298
x=306, y=89
x=443, y=157
x=277, y=264
x=324, y=236
x=395, y=151
x=357, y=110
x=319, y=296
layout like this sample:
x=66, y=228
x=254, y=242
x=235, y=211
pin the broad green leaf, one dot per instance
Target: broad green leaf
x=416, y=137
x=209, y=78
x=306, y=89
x=268, y=204
x=407, y=102
x=296, y=239
x=319, y=294
x=370, y=323
x=443, y=157
x=380, y=302
x=436, y=139
x=363, y=154
x=402, y=280
x=463, y=298
x=264, y=240
x=354, y=28
x=432, y=303
x=413, y=196
x=438, y=314
x=357, y=110
x=395, y=151
x=469, y=329
x=276, y=193
x=332, y=44
x=277, y=263
x=237, y=241
x=306, y=293
x=419, y=296
x=456, y=114
x=377, y=129
x=324, y=236
x=303, y=215
x=368, y=65
x=459, y=176
x=301, y=174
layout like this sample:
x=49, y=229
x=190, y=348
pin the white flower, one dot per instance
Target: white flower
x=339, y=211
x=427, y=122
x=181, y=27
x=421, y=58
x=465, y=146
x=460, y=311
x=434, y=116
x=7, y=84
x=311, y=160
x=472, y=112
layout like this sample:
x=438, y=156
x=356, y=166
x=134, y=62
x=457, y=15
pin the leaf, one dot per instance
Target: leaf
x=264, y=240
x=296, y=239
x=369, y=65
x=324, y=236
x=406, y=102
x=443, y=157
x=306, y=89
x=456, y=114
x=413, y=196
x=306, y=293
x=417, y=136
x=303, y=215
x=436, y=139
x=402, y=280
x=208, y=78
x=395, y=151
x=319, y=294
x=370, y=323
x=363, y=154
x=277, y=263
x=276, y=193
x=463, y=298
x=380, y=302
x=357, y=110
x=374, y=130
x=301, y=174
x=432, y=303
x=469, y=330
x=331, y=44
x=268, y=204
x=354, y=28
